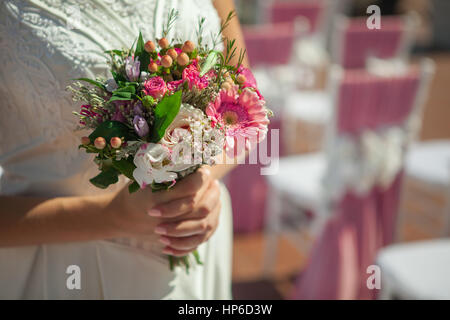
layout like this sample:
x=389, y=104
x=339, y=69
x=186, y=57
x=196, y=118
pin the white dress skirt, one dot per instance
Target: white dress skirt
x=44, y=44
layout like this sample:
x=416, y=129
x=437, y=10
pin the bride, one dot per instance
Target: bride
x=60, y=237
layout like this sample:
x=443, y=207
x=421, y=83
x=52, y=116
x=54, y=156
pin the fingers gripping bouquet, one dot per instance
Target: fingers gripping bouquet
x=168, y=108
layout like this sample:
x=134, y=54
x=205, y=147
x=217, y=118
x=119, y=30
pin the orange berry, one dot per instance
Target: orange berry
x=163, y=43
x=149, y=46
x=172, y=53
x=152, y=67
x=226, y=86
x=183, y=59
x=100, y=143
x=115, y=142
x=188, y=46
x=166, y=61
x=241, y=79
x=85, y=141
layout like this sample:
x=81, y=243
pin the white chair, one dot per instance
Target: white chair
x=308, y=182
x=418, y=270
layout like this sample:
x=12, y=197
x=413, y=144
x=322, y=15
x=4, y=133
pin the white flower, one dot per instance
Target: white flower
x=186, y=117
x=153, y=164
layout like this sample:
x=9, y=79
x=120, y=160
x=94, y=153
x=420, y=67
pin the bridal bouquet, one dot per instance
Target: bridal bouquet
x=168, y=108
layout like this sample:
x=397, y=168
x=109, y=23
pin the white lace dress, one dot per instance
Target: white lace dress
x=44, y=44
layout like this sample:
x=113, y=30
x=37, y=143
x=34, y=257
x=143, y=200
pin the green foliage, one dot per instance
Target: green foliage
x=133, y=187
x=165, y=111
x=93, y=82
x=110, y=129
x=210, y=62
x=105, y=178
x=127, y=92
x=144, y=56
x=125, y=167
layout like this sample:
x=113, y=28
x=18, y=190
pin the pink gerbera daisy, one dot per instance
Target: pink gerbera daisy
x=243, y=116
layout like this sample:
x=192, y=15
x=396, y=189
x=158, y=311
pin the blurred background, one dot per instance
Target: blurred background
x=360, y=206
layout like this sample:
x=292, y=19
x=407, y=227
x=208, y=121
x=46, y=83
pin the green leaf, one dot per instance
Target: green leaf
x=93, y=82
x=144, y=56
x=117, y=98
x=118, y=77
x=210, y=61
x=133, y=187
x=105, y=178
x=125, y=167
x=116, y=52
x=124, y=93
x=109, y=129
x=165, y=111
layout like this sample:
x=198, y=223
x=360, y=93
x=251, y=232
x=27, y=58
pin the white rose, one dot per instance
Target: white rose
x=184, y=120
x=153, y=164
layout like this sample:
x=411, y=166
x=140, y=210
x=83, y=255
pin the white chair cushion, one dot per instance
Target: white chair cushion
x=311, y=106
x=430, y=162
x=419, y=270
x=300, y=178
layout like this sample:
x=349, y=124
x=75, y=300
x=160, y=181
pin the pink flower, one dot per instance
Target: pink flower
x=174, y=85
x=155, y=87
x=192, y=76
x=243, y=117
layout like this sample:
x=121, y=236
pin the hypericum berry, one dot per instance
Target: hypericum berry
x=183, y=59
x=172, y=53
x=149, y=46
x=241, y=79
x=100, y=143
x=188, y=46
x=152, y=67
x=85, y=141
x=115, y=142
x=163, y=43
x=166, y=61
x=226, y=86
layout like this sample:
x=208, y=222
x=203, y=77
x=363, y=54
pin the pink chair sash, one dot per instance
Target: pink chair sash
x=269, y=44
x=369, y=102
x=359, y=227
x=288, y=11
x=359, y=42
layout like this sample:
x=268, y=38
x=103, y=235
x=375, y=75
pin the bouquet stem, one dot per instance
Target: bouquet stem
x=184, y=261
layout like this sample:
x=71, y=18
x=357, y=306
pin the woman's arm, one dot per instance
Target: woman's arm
x=189, y=212
x=233, y=31
x=29, y=220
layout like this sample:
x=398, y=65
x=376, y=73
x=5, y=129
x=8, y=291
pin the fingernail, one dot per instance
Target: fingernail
x=164, y=240
x=160, y=230
x=154, y=213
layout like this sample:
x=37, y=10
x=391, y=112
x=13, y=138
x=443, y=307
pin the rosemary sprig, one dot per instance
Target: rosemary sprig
x=171, y=18
x=216, y=39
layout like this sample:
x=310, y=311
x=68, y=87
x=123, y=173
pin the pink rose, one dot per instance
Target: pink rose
x=192, y=76
x=155, y=87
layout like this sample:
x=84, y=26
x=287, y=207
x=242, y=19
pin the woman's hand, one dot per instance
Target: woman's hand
x=184, y=216
x=192, y=220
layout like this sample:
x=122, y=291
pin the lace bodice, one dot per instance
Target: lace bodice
x=44, y=44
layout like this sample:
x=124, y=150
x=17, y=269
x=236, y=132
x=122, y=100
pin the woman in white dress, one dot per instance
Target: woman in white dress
x=55, y=228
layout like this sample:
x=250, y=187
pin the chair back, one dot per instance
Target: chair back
x=311, y=11
x=353, y=42
x=270, y=44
